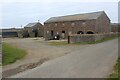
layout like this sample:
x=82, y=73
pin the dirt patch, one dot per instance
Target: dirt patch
x=22, y=68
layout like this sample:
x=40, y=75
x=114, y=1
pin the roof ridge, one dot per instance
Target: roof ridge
x=82, y=16
x=79, y=14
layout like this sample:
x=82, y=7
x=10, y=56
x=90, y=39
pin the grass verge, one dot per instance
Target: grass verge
x=115, y=73
x=11, y=54
x=61, y=43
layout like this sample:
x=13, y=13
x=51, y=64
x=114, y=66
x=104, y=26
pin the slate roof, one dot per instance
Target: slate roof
x=31, y=24
x=85, y=16
x=11, y=30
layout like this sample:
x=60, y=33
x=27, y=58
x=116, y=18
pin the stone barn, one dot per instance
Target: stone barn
x=87, y=23
x=115, y=27
x=33, y=30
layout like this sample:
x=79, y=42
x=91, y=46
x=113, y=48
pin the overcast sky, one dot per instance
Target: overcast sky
x=14, y=14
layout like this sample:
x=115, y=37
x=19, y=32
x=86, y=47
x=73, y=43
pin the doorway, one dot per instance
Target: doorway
x=52, y=33
x=90, y=32
x=63, y=34
x=80, y=32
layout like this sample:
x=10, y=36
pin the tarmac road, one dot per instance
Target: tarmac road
x=95, y=61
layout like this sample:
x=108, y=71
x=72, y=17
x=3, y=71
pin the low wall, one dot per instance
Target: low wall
x=75, y=38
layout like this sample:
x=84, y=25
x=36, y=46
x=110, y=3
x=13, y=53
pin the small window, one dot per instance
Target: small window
x=83, y=23
x=57, y=33
x=63, y=31
x=56, y=24
x=70, y=32
x=47, y=32
x=73, y=24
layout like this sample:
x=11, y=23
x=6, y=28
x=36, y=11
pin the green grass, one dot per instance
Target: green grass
x=11, y=54
x=61, y=43
x=115, y=73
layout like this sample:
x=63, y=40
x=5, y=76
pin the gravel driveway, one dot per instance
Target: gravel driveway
x=38, y=50
x=96, y=61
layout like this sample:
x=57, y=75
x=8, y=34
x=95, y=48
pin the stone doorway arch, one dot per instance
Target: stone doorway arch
x=80, y=32
x=90, y=32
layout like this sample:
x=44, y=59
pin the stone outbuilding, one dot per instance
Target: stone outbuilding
x=115, y=27
x=8, y=33
x=33, y=30
x=87, y=23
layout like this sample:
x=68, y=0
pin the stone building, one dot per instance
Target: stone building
x=88, y=23
x=12, y=32
x=33, y=30
x=115, y=27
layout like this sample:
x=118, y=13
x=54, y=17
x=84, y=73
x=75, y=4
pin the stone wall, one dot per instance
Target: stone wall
x=96, y=26
x=20, y=35
x=75, y=38
x=69, y=27
x=115, y=27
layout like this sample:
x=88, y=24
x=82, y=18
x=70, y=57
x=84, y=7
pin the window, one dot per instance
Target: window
x=63, y=31
x=57, y=33
x=47, y=32
x=70, y=32
x=73, y=24
x=83, y=23
x=63, y=24
x=56, y=24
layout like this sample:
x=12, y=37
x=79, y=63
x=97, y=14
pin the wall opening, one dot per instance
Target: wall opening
x=80, y=32
x=36, y=32
x=52, y=33
x=63, y=34
x=63, y=31
x=90, y=32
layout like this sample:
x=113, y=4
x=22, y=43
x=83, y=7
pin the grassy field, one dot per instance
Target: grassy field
x=62, y=43
x=11, y=54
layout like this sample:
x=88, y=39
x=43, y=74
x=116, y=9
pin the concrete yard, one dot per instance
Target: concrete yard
x=94, y=61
